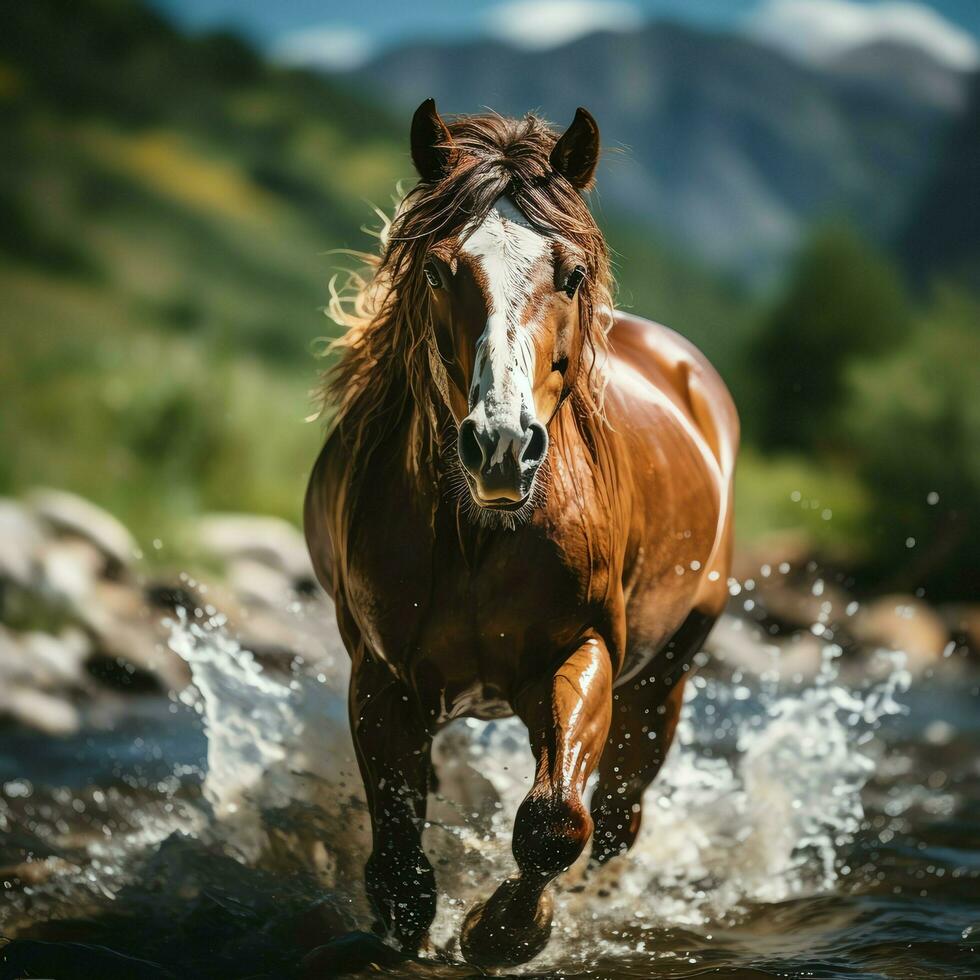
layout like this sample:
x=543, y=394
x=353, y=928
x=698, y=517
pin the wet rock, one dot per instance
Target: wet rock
x=795, y=606
x=963, y=621
x=57, y=661
x=68, y=570
x=741, y=644
x=353, y=953
x=36, y=871
x=269, y=540
x=43, y=661
x=792, y=548
x=259, y=584
x=21, y=539
x=68, y=961
x=72, y=516
x=48, y=713
x=132, y=636
x=902, y=623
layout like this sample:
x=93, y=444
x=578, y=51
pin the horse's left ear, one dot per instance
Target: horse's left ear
x=432, y=144
x=576, y=153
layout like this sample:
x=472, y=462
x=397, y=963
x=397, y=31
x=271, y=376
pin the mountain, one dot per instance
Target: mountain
x=167, y=204
x=904, y=72
x=941, y=239
x=724, y=145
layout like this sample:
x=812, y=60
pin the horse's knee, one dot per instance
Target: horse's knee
x=550, y=833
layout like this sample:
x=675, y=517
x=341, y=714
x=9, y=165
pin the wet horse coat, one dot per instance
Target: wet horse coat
x=523, y=507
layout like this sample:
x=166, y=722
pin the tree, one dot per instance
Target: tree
x=914, y=422
x=843, y=301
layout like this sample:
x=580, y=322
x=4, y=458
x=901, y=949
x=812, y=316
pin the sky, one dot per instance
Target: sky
x=339, y=34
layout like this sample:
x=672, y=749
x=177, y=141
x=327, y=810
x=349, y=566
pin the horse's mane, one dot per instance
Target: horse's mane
x=381, y=374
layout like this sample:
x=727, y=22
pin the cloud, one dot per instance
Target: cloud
x=549, y=23
x=327, y=47
x=819, y=30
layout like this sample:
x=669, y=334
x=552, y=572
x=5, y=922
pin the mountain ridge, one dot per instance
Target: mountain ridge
x=732, y=148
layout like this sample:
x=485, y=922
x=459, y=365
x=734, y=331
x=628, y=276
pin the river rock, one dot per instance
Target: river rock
x=903, y=623
x=21, y=539
x=131, y=634
x=799, y=605
x=259, y=584
x=48, y=713
x=269, y=540
x=57, y=661
x=73, y=516
x=67, y=571
x=42, y=661
x=963, y=621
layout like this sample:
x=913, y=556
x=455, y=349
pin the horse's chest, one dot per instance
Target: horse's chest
x=465, y=625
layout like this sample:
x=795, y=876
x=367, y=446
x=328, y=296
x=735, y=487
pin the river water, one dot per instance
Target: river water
x=821, y=824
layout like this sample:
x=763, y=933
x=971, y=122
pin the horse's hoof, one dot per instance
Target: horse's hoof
x=503, y=931
x=348, y=954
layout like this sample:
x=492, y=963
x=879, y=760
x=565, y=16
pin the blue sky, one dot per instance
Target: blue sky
x=335, y=34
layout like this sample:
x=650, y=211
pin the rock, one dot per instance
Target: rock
x=963, y=621
x=799, y=606
x=792, y=547
x=741, y=645
x=31, y=958
x=39, y=710
x=270, y=540
x=57, y=661
x=129, y=634
x=259, y=584
x=904, y=623
x=21, y=539
x=41, y=661
x=68, y=569
x=73, y=516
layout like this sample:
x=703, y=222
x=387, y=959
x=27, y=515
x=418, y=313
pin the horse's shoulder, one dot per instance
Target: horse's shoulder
x=671, y=363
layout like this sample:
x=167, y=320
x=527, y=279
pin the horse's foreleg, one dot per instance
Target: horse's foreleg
x=642, y=731
x=645, y=715
x=567, y=716
x=393, y=750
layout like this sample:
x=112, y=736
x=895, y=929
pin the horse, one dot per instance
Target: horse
x=523, y=506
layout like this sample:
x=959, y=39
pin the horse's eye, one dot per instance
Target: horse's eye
x=572, y=282
x=432, y=275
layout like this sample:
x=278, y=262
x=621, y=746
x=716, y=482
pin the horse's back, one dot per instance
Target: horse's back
x=655, y=363
x=674, y=366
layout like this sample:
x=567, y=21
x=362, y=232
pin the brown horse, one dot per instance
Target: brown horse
x=523, y=506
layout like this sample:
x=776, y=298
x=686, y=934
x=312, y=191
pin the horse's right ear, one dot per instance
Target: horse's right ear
x=432, y=145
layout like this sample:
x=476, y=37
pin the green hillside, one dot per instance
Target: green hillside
x=166, y=209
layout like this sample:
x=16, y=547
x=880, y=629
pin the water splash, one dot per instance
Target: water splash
x=759, y=797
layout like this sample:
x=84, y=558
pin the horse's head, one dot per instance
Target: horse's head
x=508, y=280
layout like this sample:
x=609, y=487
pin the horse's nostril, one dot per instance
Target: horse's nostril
x=536, y=446
x=469, y=448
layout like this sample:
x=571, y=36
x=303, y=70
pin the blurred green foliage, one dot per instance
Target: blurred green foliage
x=913, y=424
x=165, y=208
x=842, y=301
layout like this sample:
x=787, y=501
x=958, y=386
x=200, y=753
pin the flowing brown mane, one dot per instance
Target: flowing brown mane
x=382, y=371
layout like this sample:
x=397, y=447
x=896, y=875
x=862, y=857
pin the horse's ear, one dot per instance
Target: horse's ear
x=576, y=153
x=432, y=145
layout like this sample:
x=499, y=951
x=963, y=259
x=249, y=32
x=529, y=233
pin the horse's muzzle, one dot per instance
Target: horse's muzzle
x=500, y=462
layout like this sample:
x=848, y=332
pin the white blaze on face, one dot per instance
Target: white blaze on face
x=505, y=249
